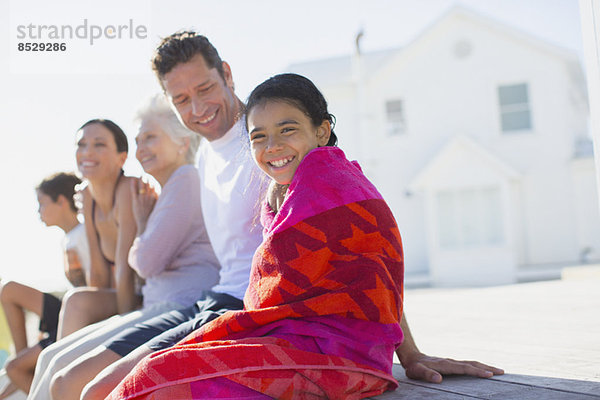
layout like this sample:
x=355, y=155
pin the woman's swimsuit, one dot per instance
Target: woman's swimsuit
x=108, y=260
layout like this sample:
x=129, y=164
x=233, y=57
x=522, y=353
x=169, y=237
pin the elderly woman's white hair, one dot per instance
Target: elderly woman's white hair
x=158, y=109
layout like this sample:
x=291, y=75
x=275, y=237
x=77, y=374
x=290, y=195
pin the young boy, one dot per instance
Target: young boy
x=56, y=208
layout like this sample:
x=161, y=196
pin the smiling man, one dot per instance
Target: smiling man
x=200, y=87
x=203, y=96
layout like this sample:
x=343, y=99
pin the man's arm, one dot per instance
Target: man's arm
x=423, y=367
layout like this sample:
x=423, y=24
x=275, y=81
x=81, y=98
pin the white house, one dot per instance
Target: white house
x=477, y=136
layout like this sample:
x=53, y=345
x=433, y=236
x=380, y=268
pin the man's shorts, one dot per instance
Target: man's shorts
x=169, y=328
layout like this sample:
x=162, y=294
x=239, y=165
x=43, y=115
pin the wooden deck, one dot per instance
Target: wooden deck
x=510, y=386
x=545, y=335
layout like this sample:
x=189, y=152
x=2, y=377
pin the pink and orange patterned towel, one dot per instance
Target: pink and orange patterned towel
x=322, y=311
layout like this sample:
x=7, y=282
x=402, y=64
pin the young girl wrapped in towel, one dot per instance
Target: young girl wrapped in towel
x=322, y=311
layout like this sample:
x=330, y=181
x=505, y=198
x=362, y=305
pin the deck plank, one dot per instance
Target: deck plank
x=591, y=388
x=544, y=334
x=509, y=386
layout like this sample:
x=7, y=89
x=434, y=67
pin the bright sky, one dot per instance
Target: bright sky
x=49, y=95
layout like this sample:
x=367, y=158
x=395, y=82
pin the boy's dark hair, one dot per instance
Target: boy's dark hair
x=180, y=48
x=61, y=183
x=298, y=91
x=115, y=130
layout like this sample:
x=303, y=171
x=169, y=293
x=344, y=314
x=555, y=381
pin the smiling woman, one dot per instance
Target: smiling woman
x=101, y=152
x=171, y=252
x=157, y=147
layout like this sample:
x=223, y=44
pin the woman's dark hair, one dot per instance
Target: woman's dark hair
x=180, y=48
x=60, y=184
x=115, y=130
x=298, y=91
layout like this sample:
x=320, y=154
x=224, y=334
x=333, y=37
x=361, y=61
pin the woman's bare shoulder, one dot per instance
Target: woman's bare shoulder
x=123, y=196
x=124, y=186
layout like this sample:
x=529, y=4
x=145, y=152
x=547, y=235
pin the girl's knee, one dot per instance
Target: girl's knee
x=78, y=302
x=12, y=368
x=17, y=367
x=72, y=298
x=7, y=291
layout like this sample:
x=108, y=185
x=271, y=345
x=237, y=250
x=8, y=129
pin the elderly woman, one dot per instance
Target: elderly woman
x=171, y=251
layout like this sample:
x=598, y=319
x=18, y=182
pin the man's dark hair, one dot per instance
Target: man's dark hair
x=61, y=183
x=180, y=48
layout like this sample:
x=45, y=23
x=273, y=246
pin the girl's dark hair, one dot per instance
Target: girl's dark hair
x=60, y=184
x=298, y=91
x=115, y=130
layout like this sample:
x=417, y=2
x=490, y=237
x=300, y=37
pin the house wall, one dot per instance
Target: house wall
x=590, y=27
x=487, y=263
x=586, y=209
x=445, y=96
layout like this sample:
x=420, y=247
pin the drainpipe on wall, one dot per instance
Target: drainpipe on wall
x=358, y=76
x=589, y=11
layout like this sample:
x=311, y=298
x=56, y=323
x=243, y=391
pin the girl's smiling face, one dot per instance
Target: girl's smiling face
x=281, y=135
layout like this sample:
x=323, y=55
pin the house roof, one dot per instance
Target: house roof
x=462, y=162
x=339, y=70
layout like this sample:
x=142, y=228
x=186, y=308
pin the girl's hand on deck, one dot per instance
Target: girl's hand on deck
x=426, y=368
